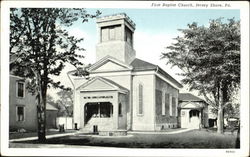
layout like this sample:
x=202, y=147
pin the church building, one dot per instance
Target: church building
x=123, y=92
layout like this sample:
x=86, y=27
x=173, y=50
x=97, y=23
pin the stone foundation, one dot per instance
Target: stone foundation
x=113, y=133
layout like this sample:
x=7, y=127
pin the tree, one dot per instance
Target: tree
x=50, y=100
x=210, y=60
x=40, y=45
x=65, y=102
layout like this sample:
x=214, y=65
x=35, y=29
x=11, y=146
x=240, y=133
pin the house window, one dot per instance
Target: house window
x=173, y=106
x=20, y=113
x=163, y=104
x=120, y=109
x=140, y=99
x=20, y=89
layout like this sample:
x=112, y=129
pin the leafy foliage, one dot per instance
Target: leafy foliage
x=39, y=42
x=65, y=103
x=209, y=58
x=40, y=45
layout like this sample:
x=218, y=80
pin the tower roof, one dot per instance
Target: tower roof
x=116, y=17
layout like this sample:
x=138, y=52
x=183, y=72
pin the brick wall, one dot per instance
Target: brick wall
x=165, y=92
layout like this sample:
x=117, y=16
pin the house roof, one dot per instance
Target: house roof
x=188, y=97
x=50, y=107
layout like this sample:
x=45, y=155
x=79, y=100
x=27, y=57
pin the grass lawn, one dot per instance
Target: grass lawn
x=17, y=135
x=192, y=139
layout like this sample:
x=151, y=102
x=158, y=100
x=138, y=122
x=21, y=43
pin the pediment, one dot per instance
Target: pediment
x=96, y=84
x=191, y=105
x=109, y=64
x=100, y=84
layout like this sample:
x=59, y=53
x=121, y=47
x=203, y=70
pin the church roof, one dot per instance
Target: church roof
x=136, y=65
x=188, y=97
x=141, y=65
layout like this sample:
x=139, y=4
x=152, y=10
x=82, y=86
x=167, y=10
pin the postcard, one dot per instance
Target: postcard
x=125, y=78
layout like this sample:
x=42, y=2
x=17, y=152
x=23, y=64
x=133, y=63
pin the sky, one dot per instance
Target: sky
x=155, y=30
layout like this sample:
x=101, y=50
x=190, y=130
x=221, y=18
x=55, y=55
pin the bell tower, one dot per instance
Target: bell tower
x=116, y=38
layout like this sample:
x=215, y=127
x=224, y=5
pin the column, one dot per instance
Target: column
x=99, y=109
x=200, y=125
x=115, y=110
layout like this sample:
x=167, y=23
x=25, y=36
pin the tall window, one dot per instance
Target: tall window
x=173, y=106
x=140, y=99
x=20, y=89
x=170, y=105
x=20, y=113
x=120, y=109
x=176, y=110
x=167, y=104
x=163, y=104
x=158, y=98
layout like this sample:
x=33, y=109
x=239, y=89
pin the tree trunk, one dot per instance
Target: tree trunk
x=220, y=120
x=41, y=111
x=41, y=123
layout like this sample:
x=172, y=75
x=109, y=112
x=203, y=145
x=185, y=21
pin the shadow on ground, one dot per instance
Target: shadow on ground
x=202, y=139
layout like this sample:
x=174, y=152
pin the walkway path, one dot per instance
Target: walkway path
x=47, y=137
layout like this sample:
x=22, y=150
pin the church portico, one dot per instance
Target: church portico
x=103, y=105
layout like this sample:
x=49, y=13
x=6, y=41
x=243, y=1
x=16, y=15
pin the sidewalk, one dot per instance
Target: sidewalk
x=129, y=134
x=47, y=137
x=160, y=132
